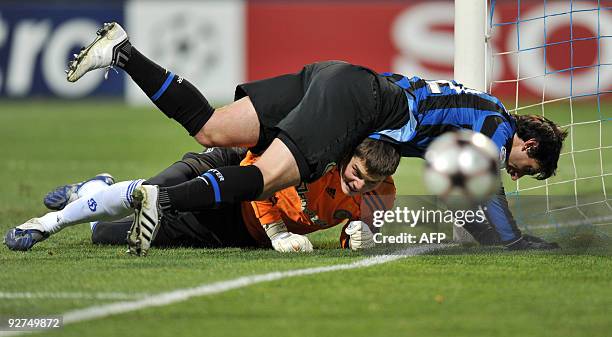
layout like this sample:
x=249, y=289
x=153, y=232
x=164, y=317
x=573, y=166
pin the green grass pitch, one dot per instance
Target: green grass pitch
x=461, y=291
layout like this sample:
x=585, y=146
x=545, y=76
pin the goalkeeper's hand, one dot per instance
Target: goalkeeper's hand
x=285, y=241
x=360, y=235
x=532, y=242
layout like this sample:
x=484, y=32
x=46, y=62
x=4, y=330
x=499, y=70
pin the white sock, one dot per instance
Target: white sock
x=88, y=188
x=91, y=187
x=111, y=203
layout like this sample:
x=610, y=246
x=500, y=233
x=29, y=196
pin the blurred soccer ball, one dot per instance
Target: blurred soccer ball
x=462, y=164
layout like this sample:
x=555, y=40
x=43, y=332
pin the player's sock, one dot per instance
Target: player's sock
x=111, y=203
x=173, y=95
x=175, y=174
x=88, y=188
x=91, y=187
x=225, y=185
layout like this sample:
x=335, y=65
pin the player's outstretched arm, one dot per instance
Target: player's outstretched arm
x=499, y=215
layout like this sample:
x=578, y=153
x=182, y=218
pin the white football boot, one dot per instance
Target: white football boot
x=103, y=52
x=147, y=219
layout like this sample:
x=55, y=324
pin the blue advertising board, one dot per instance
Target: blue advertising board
x=38, y=39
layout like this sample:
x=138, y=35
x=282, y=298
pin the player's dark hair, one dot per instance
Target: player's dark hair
x=380, y=158
x=549, y=137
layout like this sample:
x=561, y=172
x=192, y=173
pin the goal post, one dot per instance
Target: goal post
x=471, y=31
x=471, y=60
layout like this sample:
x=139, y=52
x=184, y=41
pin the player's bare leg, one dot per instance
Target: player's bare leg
x=275, y=169
x=235, y=124
x=278, y=168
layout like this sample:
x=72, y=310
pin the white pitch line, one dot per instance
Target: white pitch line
x=72, y=295
x=179, y=295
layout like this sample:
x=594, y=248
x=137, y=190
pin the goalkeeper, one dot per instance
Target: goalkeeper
x=279, y=222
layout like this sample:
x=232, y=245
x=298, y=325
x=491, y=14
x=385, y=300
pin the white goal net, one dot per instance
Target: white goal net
x=551, y=58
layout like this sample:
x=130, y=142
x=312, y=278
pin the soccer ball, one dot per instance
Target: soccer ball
x=462, y=166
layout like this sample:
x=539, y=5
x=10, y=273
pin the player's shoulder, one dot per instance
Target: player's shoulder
x=495, y=120
x=326, y=186
x=380, y=198
x=386, y=187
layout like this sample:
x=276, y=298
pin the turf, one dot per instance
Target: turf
x=462, y=291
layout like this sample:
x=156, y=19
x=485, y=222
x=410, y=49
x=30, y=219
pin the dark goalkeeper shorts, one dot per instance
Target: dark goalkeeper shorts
x=323, y=112
x=222, y=227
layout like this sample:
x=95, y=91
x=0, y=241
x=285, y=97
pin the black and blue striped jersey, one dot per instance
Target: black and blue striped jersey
x=436, y=107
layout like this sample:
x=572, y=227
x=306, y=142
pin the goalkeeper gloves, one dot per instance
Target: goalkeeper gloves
x=285, y=241
x=360, y=235
x=532, y=242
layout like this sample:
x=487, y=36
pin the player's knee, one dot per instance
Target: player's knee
x=236, y=124
x=209, y=138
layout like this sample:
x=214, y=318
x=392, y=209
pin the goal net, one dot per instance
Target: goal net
x=552, y=58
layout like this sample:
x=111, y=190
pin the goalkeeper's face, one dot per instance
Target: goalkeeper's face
x=354, y=178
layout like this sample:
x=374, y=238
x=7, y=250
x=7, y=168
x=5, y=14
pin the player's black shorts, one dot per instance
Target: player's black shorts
x=324, y=111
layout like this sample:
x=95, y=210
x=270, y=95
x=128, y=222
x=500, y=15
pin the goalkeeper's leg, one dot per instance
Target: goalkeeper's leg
x=111, y=232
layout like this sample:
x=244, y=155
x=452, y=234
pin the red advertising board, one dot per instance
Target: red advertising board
x=283, y=36
x=416, y=38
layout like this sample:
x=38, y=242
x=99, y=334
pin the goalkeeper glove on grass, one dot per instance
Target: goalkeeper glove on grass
x=285, y=241
x=360, y=235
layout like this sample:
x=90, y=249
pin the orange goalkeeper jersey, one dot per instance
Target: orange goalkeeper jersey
x=315, y=206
